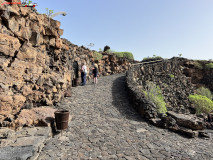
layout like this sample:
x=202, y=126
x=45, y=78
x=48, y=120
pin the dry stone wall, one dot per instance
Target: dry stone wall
x=168, y=75
x=176, y=82
x=37, y=67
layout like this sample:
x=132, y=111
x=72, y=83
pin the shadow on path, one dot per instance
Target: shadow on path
x=121, y=100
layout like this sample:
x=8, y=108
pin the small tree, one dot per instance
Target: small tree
x=50, y=12
x=47, y=10
x=180, y=55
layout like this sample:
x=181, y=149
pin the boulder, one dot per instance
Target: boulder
x=58, y=43
x=13, y=25
x=187, y=121
x=27, y=53
x=25, y=11
x=11, y=104
x=4, y=63
x=9, y=45
x=184, y=131
x=37, y=116
x=52, y=41
x=24, y=33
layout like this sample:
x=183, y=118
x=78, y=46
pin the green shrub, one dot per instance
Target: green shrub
x=209, y=66
x=110, y=51
x=147, y=59
x=154, y=94
x=97, y=56
x=204, y=92
x=127, y=55
x=171, y=76
x=198, y=65
x=119, y=54
x=201, y=103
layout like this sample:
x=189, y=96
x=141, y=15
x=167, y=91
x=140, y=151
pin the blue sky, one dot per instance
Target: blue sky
x=144, y=27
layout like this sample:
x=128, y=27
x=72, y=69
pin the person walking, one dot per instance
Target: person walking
x=83, y=74
x=95, y=73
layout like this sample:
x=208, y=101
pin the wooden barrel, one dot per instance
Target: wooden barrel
x=61, y=119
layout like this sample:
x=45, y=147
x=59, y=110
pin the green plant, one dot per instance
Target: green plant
x=204, y=92
x=109, y=51
x=118, y=54
x=201, y=103
x=209, y=66
x=154, y=94
x=198, y=65
x=97, y=56
x=147, y=59
x=49, y=12
x=127, y=55
x=171, y=76
x=180, y=55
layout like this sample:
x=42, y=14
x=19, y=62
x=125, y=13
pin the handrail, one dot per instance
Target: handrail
x=147, y=62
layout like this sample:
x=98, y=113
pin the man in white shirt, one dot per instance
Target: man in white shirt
x=83, y=74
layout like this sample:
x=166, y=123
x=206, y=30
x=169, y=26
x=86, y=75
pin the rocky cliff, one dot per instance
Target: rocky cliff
x=37, y=67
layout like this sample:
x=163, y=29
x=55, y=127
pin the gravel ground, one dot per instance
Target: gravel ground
x=105, y=126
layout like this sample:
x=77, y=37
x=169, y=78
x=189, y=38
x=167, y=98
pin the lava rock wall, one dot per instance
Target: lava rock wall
x=36, y=65
x=177, y=78
x=169, y=76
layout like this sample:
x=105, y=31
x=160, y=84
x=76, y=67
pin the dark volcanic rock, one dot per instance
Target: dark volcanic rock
x=175, y=78
x=37, y=67
x=188, y=121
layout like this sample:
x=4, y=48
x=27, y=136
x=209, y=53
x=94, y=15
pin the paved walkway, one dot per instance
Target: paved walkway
x=104, y=126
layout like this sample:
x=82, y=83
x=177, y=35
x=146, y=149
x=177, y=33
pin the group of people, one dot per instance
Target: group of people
x=84, y=74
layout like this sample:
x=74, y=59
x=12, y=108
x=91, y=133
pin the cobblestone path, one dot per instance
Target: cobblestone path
x=104, y=126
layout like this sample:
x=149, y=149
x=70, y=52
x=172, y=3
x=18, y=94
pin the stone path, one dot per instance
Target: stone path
x=104, y=126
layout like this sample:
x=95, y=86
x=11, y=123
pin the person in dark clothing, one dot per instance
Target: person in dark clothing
x=95, y=74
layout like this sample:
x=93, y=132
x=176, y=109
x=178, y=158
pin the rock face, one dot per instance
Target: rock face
x=42, y=116
x=25, y=144
x=177, y=82
x=200, y=75
x=37, y=67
